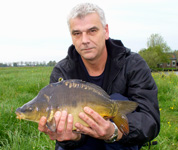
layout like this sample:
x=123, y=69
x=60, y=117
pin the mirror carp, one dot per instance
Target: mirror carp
x=73, y=96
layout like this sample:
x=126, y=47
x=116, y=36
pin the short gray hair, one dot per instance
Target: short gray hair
x=83, y=9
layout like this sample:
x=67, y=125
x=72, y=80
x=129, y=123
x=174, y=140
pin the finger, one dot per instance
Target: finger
x=69, y=123
x=57, y=116
x=95, y=116
x=62, y=122
x=97, y=123
x=52, y=137
x=85, y=130
x=42, y=124
x=87, y=119
x=91, y=123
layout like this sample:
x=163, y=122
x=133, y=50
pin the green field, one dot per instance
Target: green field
x=19, y=85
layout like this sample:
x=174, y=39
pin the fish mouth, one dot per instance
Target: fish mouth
x=19, y=115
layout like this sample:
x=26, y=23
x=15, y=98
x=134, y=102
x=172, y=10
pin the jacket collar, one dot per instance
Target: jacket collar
x=116, y=60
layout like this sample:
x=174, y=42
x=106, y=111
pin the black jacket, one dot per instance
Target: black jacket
x=128, y=74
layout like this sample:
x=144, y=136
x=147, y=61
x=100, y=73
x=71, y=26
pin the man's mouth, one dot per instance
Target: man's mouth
x=87, y=49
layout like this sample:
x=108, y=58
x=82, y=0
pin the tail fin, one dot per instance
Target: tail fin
x=120, y=119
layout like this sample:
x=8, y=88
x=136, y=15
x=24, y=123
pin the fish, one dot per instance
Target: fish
x=73, y=95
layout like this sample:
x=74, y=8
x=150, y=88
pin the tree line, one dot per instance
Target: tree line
x=157, y=51
x=28, y=64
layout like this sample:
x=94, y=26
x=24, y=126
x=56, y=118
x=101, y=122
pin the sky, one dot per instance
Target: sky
x=37, y=31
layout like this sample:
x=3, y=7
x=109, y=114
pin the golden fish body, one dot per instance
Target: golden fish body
x=73, y=96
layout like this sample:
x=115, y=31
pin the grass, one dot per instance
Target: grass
x=168, y=103
x=19, y=85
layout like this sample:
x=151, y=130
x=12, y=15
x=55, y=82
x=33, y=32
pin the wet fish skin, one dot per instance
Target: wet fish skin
x=73, y=96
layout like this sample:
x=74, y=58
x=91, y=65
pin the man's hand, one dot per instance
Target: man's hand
x=63, y=130
x=98, y=126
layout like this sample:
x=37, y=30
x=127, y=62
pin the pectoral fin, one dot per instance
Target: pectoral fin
x=51, y=123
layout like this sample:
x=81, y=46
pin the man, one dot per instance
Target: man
x=96, y=58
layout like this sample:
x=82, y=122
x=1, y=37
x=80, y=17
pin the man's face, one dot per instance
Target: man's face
x=88, y=36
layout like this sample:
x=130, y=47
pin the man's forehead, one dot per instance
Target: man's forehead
x=86, y=30
x=85, y=23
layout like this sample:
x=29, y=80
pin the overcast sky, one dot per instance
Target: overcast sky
x=36, y=30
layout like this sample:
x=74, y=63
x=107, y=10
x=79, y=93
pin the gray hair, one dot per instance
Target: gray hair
x=83, y=9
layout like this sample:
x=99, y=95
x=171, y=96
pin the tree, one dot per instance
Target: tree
x=156, y=52
x=176, y=53
x=51, y=63
x=15, y=64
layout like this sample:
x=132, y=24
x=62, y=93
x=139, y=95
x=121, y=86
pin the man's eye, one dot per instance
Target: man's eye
x=76, y=33
x=93, y=31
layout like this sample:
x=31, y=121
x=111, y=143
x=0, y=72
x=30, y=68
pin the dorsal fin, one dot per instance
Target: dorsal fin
x=87, y=85
x=98, y=88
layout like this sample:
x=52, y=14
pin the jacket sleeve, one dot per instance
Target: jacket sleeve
x=144, y=123
x=70, y=145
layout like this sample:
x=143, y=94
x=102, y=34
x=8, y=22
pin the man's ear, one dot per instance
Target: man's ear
x=106, y=32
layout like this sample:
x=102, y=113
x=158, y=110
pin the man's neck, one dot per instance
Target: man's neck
x=97, y=66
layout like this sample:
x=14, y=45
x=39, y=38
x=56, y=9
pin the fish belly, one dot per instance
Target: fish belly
x=101, y=110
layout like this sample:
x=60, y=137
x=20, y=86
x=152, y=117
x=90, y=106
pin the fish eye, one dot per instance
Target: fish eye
x=30, y=109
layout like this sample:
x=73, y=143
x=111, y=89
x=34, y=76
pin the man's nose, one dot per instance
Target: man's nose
x=85, y=38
